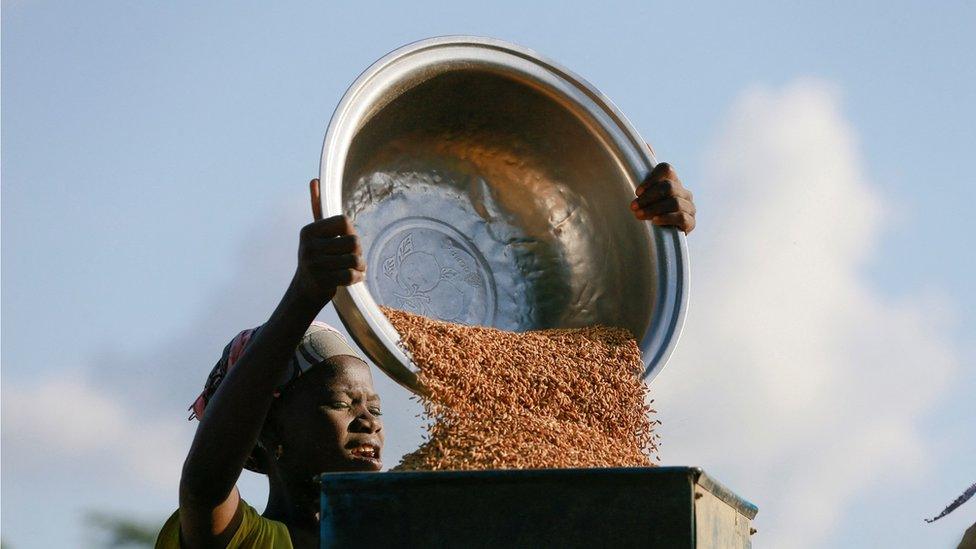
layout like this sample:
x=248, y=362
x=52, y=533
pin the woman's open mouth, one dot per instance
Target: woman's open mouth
x=366, y=453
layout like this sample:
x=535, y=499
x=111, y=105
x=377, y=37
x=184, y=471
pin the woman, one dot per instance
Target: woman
x=292, y=399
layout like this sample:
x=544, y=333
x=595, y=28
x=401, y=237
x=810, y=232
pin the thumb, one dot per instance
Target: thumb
x=313, y=187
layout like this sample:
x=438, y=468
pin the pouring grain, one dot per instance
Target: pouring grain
x=542, y=399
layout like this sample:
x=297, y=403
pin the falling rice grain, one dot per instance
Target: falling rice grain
x=542, y=399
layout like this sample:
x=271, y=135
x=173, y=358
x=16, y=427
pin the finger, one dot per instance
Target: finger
x=315, y=191
x=339, y=262
x=663, y=171
x=347, y=277
x=337, y=225
x=661, y=189
x=336, y=245
x=681, y=220
x=655, y=184
x=671, y=204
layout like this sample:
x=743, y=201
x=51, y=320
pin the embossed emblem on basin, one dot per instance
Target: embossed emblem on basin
x=426, y=266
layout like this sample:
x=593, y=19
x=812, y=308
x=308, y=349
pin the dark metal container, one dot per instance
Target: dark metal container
x=625, y=507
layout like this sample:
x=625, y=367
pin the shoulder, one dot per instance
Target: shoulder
x=257, y=531
x=254, y=531
x=169, y=536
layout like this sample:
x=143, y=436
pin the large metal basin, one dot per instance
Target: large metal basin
x=491, y=186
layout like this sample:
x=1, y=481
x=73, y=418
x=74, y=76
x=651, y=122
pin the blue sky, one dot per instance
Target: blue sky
x=154, y=162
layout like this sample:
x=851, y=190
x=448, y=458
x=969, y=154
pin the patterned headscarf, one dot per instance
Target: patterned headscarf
x=319, y=343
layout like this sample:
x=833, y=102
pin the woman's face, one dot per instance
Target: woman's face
x=329, y=420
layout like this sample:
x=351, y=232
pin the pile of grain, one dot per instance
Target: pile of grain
x=551, y=398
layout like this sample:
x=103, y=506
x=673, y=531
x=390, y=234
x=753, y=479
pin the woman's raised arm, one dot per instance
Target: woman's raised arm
x=329, y=255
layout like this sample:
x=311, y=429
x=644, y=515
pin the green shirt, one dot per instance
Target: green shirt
x=255, y=531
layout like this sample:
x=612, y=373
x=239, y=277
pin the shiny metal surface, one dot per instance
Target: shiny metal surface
x=491, y=186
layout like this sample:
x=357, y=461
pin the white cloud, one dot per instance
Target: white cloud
x=66, y=422
x=796, y=380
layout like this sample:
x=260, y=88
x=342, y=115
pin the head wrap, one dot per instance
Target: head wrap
x=319, y=343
